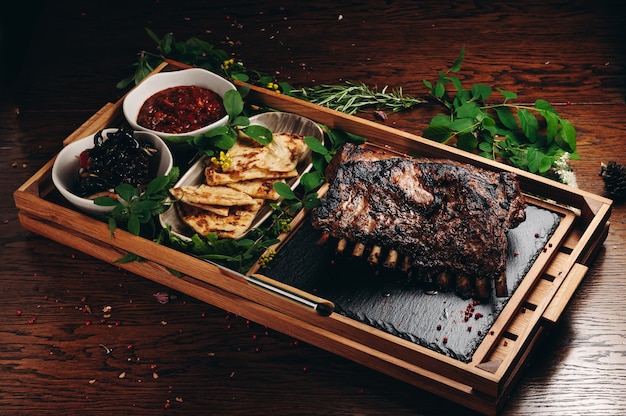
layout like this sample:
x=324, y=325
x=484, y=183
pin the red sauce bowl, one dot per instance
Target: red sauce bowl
x=176, y=100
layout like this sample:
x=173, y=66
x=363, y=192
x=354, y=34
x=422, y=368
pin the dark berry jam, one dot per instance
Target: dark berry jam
x=181, y=109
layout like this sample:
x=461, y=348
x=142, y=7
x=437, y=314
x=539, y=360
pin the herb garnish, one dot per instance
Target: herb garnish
x=136, y=209
x=509, y=132
x=355, y=97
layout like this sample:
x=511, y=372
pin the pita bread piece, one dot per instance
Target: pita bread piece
x=257, y=188
x=204, y=222
x=251, y=160
x=211, y=195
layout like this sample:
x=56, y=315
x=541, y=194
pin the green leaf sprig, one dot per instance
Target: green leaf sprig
x=137, y=209
x=531, y=137
x=292, y=203
x=199, y=53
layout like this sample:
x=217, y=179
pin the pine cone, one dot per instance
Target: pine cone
x=614, y=176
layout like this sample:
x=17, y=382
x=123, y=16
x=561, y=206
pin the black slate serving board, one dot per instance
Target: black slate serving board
x=441, y=321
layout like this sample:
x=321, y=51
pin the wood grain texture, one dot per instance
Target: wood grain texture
x=72, y=359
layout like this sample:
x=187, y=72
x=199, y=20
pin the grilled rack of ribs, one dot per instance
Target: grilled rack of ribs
x=443, y=222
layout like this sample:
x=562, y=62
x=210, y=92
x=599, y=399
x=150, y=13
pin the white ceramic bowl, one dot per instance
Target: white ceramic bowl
x=163, y=80
x=66, y=166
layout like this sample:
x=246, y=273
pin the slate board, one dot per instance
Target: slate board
x=443, y=321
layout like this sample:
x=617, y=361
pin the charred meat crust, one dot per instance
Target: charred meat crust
x=445, y=216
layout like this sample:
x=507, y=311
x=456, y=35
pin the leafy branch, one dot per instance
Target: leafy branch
x=137, y=209
x=534, y=138
x=199, y=53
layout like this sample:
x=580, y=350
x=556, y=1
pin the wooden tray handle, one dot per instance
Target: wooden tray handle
x=557, y=305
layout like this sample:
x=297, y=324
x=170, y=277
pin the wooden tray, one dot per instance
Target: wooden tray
x=482, y=384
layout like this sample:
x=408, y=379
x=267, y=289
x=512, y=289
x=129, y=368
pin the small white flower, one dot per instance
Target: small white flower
x=569, y=178
x=564, y=171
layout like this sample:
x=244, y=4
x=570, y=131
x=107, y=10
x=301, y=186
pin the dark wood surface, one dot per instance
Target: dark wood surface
x=60, y=353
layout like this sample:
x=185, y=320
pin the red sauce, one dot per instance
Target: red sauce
x=181, y=109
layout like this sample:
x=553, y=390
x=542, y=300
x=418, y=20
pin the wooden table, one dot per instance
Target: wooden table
x=81, y=336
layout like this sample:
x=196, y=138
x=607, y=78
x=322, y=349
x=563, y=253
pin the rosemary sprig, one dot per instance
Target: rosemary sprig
x=353, y=97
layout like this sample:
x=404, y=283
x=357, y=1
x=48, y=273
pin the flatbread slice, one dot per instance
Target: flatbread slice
x=215, y=178
x=250, y=160
x=204, y=222
x=215, y=209
x=282, y=154
x=211, y=195
x=257, y=188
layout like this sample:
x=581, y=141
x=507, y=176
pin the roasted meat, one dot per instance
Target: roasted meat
x=448, y=220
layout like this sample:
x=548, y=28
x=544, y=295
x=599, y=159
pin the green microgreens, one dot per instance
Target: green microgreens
x=137, y=209
x=291, y=204
x=534, y=138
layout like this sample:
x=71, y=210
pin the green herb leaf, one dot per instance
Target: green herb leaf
x=552, y=125
x=133, y=226
x=284, y=190
x=457, y=83
x=440, y=90
x=311, y=201
x=567, y=138
x=261, y=134
x=467, y=141
x=481, y=92
x=468, y=110
x=126, y=191
x=240, y=121
x=438, y=133
x=315, y=145
x=538, y=162
x=233, y=103
x=462, y=124
x=127, y=258
x=544, y=105
x=441, y=120
x=506, y=117
x=456, y=66
x=529, y=123
x=157, y=184
x=105, y=201
x=311, y=181
x=508, y=95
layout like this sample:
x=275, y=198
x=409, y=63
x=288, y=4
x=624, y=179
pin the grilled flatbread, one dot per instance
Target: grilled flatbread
x=257, y=188
x=250, y=160
x=219, y=178
x=204, y=222
x=215, y=209
x=212, y=195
